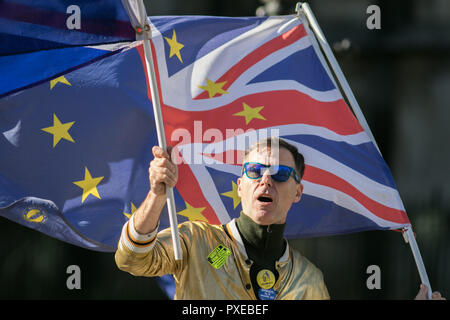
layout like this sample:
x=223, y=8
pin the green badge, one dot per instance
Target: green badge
x=218, y=256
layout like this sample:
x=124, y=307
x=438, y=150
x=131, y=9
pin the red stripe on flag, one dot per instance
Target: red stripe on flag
x=322, y=177
x=279, y=108
x=258, y=54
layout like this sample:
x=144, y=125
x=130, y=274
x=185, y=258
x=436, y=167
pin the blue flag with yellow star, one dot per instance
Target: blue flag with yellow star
x=75, y=150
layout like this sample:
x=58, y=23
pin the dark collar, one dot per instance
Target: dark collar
x=261, y=242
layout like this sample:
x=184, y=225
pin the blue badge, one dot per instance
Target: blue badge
x=267, y=294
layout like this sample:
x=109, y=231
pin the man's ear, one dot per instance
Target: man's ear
x=239, y=180
x=299, y=192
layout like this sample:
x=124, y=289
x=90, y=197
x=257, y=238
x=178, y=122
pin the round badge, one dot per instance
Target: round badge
x=267, y=294
x=265, y=279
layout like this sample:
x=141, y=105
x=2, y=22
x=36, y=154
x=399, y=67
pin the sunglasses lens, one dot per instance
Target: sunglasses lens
x=279, y=173
x=282, y=173
x=253, y=170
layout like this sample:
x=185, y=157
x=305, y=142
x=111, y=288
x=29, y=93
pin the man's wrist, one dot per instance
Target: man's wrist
x=138, y=235
x=147, y=216
x=157, y=198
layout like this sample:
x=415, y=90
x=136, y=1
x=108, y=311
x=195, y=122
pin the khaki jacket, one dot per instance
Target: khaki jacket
x=197, y=279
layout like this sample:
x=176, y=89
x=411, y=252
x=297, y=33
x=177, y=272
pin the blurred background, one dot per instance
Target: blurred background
x=400, y=75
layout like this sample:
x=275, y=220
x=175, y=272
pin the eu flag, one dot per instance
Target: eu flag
x=75, y=151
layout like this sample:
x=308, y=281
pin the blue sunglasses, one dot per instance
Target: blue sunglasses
x=280, y=173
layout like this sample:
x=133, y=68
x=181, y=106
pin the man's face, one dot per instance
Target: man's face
x=265, y=200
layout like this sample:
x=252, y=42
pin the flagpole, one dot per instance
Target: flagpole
x=159, y=125
x=335, y=66
x=303, y=7
x=411, y=239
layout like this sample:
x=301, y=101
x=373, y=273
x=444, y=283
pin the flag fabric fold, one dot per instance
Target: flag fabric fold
x=34, y=25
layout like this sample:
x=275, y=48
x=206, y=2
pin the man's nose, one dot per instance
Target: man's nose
x=266, y=178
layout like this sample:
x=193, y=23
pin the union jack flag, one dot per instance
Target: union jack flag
x=224, y=81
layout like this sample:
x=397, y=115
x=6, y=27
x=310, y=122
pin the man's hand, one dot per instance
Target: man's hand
x=162, y=172
x=423, y=294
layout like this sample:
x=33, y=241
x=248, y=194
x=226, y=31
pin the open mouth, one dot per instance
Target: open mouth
x=265, y=199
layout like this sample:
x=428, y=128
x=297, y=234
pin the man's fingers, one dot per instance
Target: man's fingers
x=160, y=177
x=159, y=152
x=437, y=296
x=164, y=166
x=422, y=294
x=162, y=159
x=164, y=163
x=164, y=171
x=170, y=182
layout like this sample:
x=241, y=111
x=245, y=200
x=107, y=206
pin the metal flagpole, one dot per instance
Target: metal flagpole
x=303, y=7
x=139, y=15
x=411, y=239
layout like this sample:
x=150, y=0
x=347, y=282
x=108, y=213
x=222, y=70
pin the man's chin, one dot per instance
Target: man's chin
x=264, y=217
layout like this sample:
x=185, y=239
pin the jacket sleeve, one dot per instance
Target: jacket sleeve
x=148, y=255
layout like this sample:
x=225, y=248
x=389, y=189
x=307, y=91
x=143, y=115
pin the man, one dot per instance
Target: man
x=246, y=259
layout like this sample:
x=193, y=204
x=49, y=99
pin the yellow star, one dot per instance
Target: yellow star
x=61, y=79
x=133, y=209
x=59, y=130
x=193, y=214
x=89, y=185
x=233, y=195
x=250, y=113
x=175, y=46
x=213, y=88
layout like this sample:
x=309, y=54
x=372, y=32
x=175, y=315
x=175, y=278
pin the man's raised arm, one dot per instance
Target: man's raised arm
x=139, y=252
x=162, y=172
